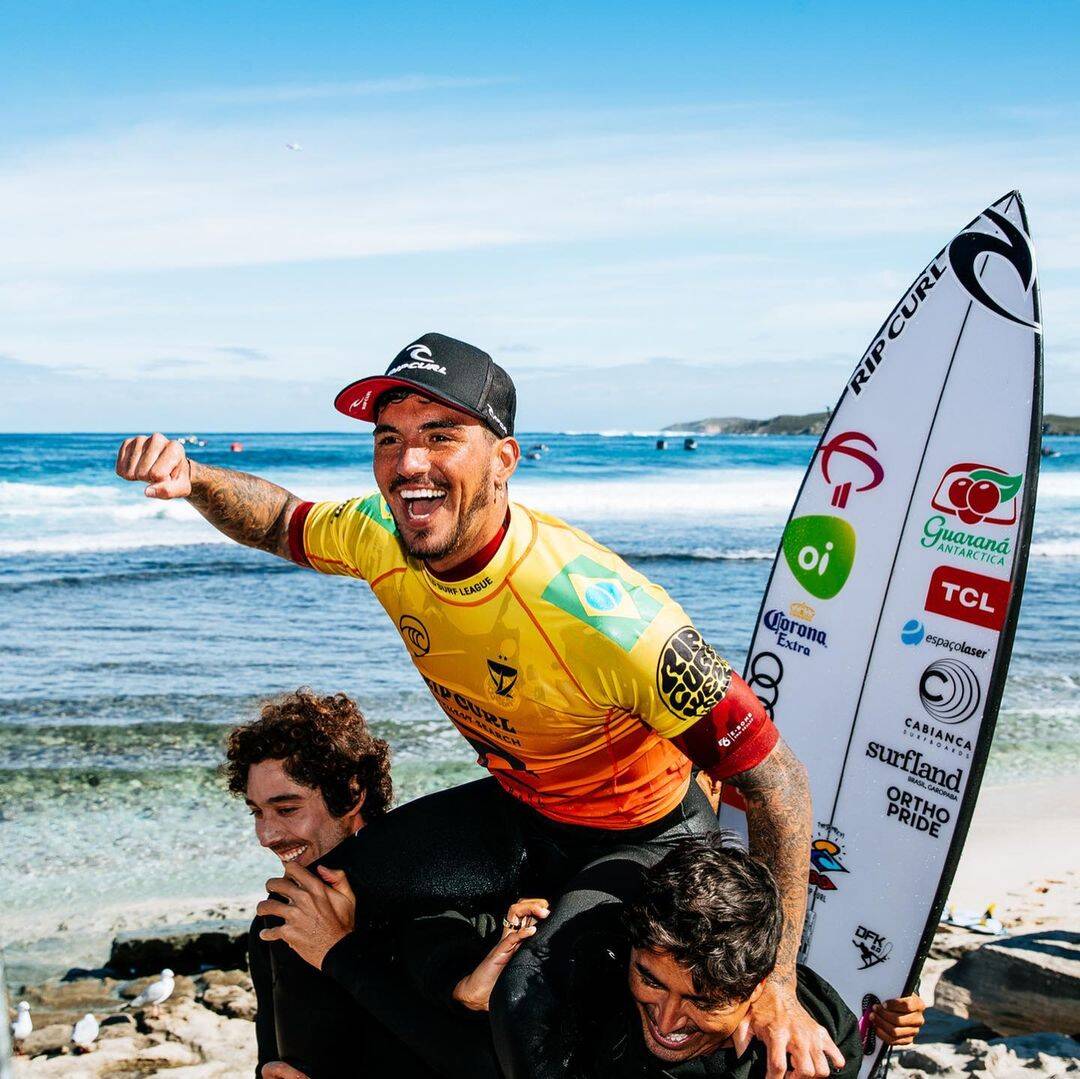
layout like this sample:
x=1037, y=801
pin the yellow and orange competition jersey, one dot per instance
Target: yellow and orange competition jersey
x=566, y=670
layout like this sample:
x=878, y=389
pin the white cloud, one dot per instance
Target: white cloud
x=323, y=91
x=595, y=238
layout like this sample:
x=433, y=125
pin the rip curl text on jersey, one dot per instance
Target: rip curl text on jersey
x=566, y=670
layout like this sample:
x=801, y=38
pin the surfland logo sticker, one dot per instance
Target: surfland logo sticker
x=820, y=552
x=969, y=252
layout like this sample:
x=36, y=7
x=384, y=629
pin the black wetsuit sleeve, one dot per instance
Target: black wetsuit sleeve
x=823, y=1002
x=262, y=981
x=440, y=950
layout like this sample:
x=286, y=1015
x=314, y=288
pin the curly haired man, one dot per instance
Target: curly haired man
x=311, y=774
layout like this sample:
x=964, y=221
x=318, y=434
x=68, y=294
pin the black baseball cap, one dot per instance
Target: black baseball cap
x=444, y=369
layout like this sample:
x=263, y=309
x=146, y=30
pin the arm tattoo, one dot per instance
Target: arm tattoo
x=779, y=819
x=247, y=509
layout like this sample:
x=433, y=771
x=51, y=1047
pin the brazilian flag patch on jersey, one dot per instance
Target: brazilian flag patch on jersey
x=600, y=598
x=375, y=507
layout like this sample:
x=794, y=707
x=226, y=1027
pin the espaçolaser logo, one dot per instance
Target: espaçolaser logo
x=820, y=551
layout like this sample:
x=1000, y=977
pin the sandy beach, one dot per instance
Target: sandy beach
x=1023, y=839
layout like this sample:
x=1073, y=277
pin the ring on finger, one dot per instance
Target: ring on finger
x=507, y=924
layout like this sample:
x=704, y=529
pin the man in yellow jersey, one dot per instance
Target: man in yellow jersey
x=584, y=688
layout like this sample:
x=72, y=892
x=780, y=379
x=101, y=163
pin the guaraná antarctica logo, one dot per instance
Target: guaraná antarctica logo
x=976, y=495
x=690, y=676
x=979, y=494
x=820, y=551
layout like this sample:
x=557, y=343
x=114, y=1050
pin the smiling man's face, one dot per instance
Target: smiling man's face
x=291, y=819
x=677, y=1022
x=442, y=473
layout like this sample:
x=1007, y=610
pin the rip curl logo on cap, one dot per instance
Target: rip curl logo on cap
x=495, y=419
x=419, y=352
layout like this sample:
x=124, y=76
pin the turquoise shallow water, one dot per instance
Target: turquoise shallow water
x=133, y=636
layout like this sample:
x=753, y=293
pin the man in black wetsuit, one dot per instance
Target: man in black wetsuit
x=312, y=774
x=662, y=987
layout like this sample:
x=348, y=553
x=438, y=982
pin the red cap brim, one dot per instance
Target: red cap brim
x=358, y=399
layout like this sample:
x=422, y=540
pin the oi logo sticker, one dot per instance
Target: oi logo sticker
x=820, y=552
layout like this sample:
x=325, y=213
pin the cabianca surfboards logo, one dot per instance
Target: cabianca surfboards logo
x=965, y=250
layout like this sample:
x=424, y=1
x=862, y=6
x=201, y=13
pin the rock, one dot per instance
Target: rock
x=231, y=1001
x=70, y=996
x=929, y=1059
x=47, y=1039
x=1035, y=1045
x=954, y=942
x=227, y=977
x=171, y=1055
x=951, y=1029
x=186, y=949
x=1019, y=985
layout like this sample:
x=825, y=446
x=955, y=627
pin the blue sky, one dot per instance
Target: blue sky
x=647, y=212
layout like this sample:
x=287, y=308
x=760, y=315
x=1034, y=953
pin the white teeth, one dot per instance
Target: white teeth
x=292, y=853
x=421, y=492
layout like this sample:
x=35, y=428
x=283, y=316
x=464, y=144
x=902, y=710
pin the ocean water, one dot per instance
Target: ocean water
x=133, y=636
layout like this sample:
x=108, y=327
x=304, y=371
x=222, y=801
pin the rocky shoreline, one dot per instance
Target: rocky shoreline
x=1005, y=1006
x=205, y=1029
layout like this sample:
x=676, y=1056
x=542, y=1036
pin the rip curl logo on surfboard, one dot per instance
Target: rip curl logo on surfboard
x=1012, y=245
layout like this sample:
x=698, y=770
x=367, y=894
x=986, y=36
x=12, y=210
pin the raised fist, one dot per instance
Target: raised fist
x=157, y=461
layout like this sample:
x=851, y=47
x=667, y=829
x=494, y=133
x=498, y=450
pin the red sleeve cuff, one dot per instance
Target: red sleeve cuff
x=296, y=534
x=734, y=737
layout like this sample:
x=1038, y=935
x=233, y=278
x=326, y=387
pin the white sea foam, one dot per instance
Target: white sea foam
x=1056, y=548
x=68, y=518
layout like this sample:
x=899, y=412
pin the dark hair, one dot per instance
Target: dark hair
x=716, y=911
x=324, y=743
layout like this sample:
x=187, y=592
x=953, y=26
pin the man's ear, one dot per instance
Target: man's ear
x=357, y=806
x=757, y=992
x=507, y=456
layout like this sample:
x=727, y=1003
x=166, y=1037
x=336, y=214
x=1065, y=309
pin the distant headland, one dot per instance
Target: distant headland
x=813, y=423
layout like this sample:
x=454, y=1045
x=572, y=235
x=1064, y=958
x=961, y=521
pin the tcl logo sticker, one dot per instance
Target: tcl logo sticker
x=968, y=597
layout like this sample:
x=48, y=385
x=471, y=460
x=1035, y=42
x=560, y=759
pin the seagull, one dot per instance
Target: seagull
x=293, y=146
x=156, y=992
x=23, y=1025
x=84, y=1033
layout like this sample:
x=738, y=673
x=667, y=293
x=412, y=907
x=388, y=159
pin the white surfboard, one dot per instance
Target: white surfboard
x=883, y=641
